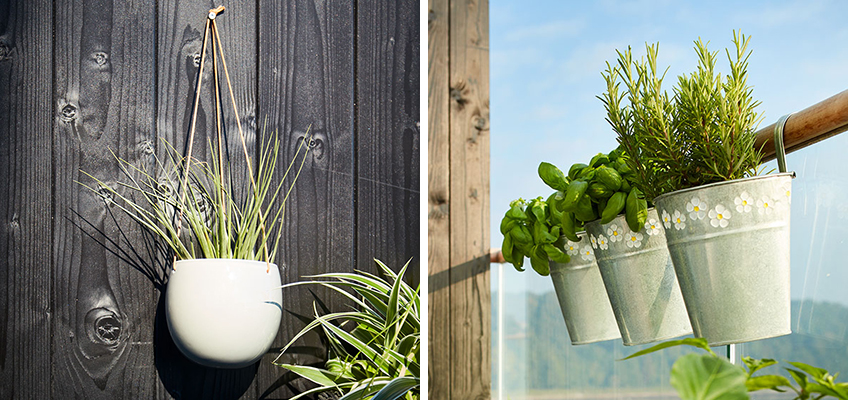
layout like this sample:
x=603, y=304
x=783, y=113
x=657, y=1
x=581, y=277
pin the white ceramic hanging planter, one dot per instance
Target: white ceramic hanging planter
x=223, y=313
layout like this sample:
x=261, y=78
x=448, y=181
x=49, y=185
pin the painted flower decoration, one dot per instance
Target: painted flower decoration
x=696, y=209
x=679, y=220
x=615, y=233
x=666, y=219
x=765, y=205
x=602, y=242
x=633, y=239
x=572, y=248
x=587, y=253
x=744, y=202
x=652, y=227
x=594, y=241
x=719, y=216
x=786, y=188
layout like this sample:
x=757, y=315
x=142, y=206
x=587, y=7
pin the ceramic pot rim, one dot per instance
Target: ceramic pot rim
x=715, y=184
x=223, y=261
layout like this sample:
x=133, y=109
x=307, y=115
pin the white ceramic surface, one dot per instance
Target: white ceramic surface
x=223, y=313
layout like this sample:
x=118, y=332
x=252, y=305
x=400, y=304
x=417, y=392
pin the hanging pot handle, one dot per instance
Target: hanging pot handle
x=779, y=148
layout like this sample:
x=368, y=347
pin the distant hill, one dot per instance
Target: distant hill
x=538, y=354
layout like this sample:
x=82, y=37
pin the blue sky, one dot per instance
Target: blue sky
x=546, y=59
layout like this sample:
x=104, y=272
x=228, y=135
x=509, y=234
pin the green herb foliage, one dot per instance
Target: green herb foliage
x=705, y=133
x=207, y=222
x=532, y=229
x=602, y=189
x=374, y=351
x=709, y=376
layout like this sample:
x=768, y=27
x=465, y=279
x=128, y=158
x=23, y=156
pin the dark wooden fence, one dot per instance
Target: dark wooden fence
x=82, y=317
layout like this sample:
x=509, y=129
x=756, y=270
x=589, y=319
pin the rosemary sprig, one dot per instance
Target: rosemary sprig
x=704, y=134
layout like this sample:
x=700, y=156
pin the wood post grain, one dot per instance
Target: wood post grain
x=460, y=303
x=438, y=222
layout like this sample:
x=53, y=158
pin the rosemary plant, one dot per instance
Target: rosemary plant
x=705, y=133
x=207, y=222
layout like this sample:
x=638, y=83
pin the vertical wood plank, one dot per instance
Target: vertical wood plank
x=306, y=82
x=179, y=42
x=25, y=201
x=439, y=195
x=469, y=201
x=388, y=135
x=104, y=95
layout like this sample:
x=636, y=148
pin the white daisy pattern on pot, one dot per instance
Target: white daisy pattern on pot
x=719, y=216
x=615, y=233
x=633, y=239
x=602, y=242
x=765, y=205
x=572, y=248
x=586, y=254
x=786, y=189
x=594, y=241
x=652, y=227
x=666, y=219
x=679, y=220
x=696, y=209
x=744, y=202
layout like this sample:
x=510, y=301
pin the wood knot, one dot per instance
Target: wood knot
x=105, y=194
x=100, y=58
x=5, y=49
x=108, y=328
x=103, y=326
x=480, y=123
x=457, y=95
x=146, y=147
x=14, y=224
x=68, y=113
x=439, y=207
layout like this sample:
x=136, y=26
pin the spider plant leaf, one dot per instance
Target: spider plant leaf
x=366, y=390
x=317, y=375
x=392, y=306
x=397, y=388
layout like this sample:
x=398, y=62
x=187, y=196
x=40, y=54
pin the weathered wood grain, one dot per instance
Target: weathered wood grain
x=25, y=198
x=104, y=88
x=439, y=195
x=306, y=84
x=181, y=27
x=388, y=139
x=469, y=202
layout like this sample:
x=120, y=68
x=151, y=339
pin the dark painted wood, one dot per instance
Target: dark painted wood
x=25, y=202
x=388, y=135
x=104, y=103
x=306, y=83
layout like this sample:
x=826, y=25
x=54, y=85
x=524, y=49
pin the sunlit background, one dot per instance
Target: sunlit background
x=546, y=60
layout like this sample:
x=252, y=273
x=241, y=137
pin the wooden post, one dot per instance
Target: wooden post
x=460, y=304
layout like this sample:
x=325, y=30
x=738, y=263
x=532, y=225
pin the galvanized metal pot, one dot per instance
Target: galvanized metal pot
x=730, y=245
x=639, y=279
x=223, y=313
x=580, y=291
